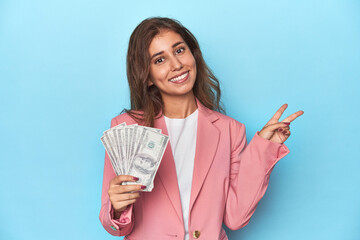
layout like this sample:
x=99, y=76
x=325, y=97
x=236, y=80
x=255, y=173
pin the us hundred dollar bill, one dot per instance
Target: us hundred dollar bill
x=147, y=157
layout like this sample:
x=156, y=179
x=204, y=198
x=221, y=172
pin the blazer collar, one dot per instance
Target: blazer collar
x=207, y=139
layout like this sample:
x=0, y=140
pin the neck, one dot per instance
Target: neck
x=179, y=106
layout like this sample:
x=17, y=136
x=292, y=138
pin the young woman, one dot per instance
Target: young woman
x=209, y=175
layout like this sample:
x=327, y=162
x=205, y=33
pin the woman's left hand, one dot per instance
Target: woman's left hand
x=276, y=131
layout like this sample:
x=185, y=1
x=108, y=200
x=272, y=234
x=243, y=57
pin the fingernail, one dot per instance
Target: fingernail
x=143, y=186
x=135, y=178
x=280, y=129
x=286, y=123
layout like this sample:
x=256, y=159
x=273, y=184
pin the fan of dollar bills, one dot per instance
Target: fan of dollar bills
x=135, y=150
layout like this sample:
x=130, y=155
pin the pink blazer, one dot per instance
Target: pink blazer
x=229, y=179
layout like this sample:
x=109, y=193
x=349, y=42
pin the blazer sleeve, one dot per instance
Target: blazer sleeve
x=117, y=227
x=250, y=170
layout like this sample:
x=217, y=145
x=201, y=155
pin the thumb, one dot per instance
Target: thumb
x=269, y=130
x=275, y=126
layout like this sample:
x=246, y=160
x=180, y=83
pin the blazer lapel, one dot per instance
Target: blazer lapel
x=207, y=140
x=167, y=172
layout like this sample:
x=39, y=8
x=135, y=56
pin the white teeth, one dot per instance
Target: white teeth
x=179, y=77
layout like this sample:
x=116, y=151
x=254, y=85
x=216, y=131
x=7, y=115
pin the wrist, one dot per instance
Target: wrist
x=117, y=214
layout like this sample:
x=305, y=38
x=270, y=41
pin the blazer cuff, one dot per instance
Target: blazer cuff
x=123, y=220
x=272, y=150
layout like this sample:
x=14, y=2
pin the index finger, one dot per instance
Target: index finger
x=278, y=114
x=123, y=178
x=293, y=116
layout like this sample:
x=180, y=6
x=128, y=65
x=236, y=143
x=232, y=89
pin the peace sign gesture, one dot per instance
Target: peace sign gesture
x=276, y=131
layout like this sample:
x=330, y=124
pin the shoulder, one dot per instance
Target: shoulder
x=224, y=120
x=221, y=120
x=232, y=129
x=124, y=117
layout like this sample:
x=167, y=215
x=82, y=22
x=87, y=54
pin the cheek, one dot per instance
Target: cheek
x=193, y=65
x=159, y=74
x=191, y=61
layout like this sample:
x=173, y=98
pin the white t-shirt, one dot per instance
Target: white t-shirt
x=182, y=134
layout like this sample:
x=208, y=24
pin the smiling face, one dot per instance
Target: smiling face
x=172, y=65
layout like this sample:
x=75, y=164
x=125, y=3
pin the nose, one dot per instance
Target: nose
x=176, y=64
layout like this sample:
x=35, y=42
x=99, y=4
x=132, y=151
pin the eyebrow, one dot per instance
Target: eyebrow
x=174, y=45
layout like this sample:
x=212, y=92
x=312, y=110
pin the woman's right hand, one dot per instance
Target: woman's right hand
x=123, y=195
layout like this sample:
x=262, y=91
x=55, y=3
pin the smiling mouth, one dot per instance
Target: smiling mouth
x=180, y=78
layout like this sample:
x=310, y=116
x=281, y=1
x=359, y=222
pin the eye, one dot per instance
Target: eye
x=159, y=60
x=180, y=50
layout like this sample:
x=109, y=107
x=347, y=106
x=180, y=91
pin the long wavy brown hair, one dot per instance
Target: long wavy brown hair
x=146, y=101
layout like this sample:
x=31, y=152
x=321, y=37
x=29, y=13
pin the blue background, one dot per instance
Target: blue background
x=63, y=77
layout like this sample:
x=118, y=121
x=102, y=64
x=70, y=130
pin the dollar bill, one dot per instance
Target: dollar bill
x=111, y=147
x=135, y=150
x=147, y=157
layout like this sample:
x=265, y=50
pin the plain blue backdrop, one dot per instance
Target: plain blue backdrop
x=63, y=77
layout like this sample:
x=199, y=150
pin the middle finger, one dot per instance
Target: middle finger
x=278, y=114
x=127, y=188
